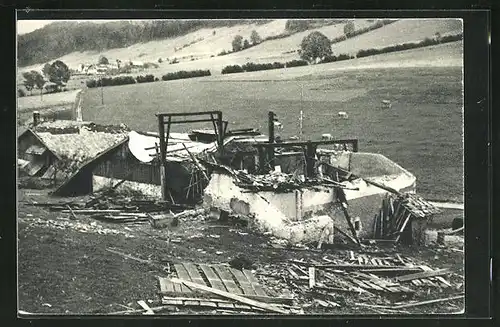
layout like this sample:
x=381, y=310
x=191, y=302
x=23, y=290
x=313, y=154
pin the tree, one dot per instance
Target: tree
x=255, y=37
x=46, y=70
x=103, y=60
x=59, y=73
x=349, y=29
x=237, y=43
x=246, y=44
x=29, y=81
x=314, y=46
x=437, y=36
x=39, y=81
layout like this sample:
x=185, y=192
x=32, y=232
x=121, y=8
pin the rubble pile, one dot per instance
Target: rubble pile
x=379, y=280
x=114, y=208
x=92, y=227
x=278, y=181
x=417, y=205
x=396, y=213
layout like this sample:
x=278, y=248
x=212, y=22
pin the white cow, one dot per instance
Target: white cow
x=343, y=114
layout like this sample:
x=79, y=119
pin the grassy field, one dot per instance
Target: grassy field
x=29, y=103
x=51, y=106
x=422, y=131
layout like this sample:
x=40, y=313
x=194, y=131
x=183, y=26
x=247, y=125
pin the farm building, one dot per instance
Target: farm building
x=52, y=150
x=134, y=164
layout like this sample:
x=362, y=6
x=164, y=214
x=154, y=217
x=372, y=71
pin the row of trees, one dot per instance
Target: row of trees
x=239, y=43
x=124, y=80
x=57, y=73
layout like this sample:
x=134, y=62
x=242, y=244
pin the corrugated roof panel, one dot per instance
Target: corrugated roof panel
x=33, y=167
x=36, y=149
x=49, y=174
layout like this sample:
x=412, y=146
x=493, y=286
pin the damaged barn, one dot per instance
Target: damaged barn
x=298, y=191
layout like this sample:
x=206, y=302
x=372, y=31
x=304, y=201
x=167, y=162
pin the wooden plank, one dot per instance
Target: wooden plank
x=254, y=282
x=312, y=277
x=223, y=305
x=231, y=296
x=227, y=279
x=192, y=303
x=443, y=281
x=181, y=271
x=243, y=281
x=373, y=285
x=375, y=282
x=194, y=273
x=423, y=274
x=242, y=306
x=409, y=305
x=214, y=280
x=293, y=273
x=183, y=274
x=171, y=301
x=209, y=304
x=351, y=255
x=360, y=283
x=178, y=288
x=145, y=307
x=166, y=286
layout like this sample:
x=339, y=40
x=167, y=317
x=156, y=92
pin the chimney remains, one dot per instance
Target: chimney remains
x=36, y=118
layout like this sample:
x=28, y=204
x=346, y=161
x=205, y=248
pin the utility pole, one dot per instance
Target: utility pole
x=301, y=118
x=271, y=139
x=102, y=93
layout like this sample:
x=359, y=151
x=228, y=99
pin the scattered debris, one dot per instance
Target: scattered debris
x=93, y=227
x=146, y=307
x=232, y=296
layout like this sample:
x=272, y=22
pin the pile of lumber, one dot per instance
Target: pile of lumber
x=118, y=209
x=132, y=204
x=274, y=181
x=219, y=288
x=397, y=212
x=381, y=276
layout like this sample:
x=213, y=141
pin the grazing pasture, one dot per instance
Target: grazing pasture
x=422, y=131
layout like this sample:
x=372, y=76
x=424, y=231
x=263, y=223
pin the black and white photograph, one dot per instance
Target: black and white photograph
x=256, y=167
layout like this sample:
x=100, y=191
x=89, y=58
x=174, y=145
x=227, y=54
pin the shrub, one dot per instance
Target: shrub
x=156, y=79
x=336, y=58
x=296, y=63
x=252, y=67
x=21, y=93
x=277, y=37
x=110, y=81
x=407, y=46
x=185, y=74
x=223, y=53
x=232, y=69
x=145, y=79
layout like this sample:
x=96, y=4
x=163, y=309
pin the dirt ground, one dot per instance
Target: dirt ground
x=64, y=267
